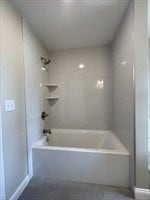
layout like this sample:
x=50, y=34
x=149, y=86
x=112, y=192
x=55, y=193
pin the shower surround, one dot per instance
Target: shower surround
x=82, y=147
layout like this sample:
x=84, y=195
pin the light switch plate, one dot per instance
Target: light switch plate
x=9, y=105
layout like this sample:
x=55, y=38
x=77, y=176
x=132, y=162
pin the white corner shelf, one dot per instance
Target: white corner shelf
x=50, y=85
x=52, y=98
x=51, y=88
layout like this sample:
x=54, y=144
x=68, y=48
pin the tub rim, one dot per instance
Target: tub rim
x=123, y=150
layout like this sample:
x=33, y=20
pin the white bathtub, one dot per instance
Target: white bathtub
x=88, y=156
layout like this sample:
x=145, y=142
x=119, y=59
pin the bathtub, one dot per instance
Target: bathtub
x=87, y=156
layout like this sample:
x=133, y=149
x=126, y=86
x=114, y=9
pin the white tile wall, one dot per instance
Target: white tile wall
x=149, y=143
x=123, y=89
x=82, y=105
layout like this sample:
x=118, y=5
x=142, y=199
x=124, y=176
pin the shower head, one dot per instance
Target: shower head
x=45, y=61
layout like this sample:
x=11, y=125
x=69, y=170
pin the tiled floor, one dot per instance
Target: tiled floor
x=45, y=189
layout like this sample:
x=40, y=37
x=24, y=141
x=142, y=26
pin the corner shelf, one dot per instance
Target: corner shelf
x=50, y=85
x=52, y=98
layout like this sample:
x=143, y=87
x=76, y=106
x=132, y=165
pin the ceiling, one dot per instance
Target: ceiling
x=65, y=24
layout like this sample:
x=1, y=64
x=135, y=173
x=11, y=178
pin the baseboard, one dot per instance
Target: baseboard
x=143, y=194
x=20, y=188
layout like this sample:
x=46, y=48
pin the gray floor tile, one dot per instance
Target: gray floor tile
x=45, y=189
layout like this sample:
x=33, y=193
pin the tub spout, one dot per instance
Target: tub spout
x=47, y=132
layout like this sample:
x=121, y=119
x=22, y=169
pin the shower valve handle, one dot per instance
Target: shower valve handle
x=47, y=131
x=44, y=115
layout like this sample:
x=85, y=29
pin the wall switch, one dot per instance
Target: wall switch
x=9, y=105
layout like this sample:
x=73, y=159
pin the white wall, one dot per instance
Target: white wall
x=123, y=87
x=12, y=87
x=35, y=101
x=81, y=105
x=141, y=91
x=149, y=114
x=2, y=183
